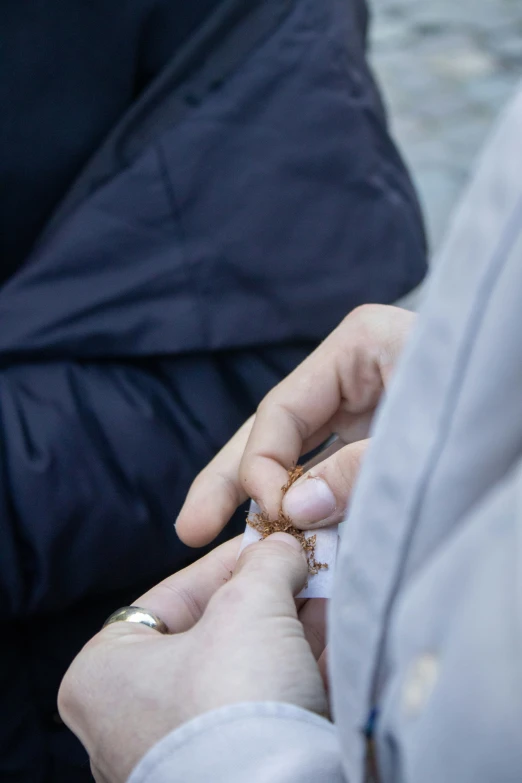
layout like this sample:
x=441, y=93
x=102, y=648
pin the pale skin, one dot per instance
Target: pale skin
x=237, y=634
x=334, y=391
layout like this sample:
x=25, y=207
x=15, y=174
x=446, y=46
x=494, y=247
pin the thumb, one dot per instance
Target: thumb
x=320, y=497
x=274, y=567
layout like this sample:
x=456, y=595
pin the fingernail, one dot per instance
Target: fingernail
x=309, y=501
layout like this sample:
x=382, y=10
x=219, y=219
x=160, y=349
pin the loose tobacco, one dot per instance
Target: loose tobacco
x=283, y=524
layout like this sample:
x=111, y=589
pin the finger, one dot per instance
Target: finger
x=334, y=390
x=320, y=497
x=181, y=599
x=323, y=668
x=345, y=374
x=215, y=493
x=296, y=410
x=352, y=427
x=267, y=577
x=313, y=619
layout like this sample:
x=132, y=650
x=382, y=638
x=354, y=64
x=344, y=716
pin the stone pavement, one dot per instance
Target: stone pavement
x=445, y=67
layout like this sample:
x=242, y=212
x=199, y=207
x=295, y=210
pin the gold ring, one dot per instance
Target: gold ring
x=134, y=614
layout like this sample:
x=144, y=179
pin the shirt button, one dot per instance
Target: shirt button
x=419, y=684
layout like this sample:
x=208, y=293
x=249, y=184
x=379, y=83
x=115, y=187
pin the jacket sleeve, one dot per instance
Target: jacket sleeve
x=258, y=743
x=96, y=459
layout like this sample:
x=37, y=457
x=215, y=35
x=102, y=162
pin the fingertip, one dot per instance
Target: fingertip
x=278, y=560
x=287, y=539
x=310, y=502
x=192, y=534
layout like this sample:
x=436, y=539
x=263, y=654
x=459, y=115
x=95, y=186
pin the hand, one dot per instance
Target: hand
x=334, y=391
x=236, y=639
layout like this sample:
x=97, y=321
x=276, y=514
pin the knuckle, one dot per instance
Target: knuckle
x=267, y=402
x=364, y=317
x=365, y=311
x=247, y=474
x=230, y=488
x=198, y=483
x=375, y=321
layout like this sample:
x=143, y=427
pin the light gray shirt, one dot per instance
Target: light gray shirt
x=426, y=619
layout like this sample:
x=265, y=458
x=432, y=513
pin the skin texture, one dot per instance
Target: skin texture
x=237, y=633
x=333, y=392
x=234, y=639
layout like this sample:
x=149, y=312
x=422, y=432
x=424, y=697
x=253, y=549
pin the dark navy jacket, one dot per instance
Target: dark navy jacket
x=247, y=201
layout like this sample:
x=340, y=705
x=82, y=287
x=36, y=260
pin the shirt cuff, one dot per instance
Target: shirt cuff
x=266, y=742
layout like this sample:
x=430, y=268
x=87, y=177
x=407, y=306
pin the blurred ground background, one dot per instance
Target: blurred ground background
x=446, y=67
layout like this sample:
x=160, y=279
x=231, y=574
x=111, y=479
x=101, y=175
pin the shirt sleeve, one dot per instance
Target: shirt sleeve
x=255, y=742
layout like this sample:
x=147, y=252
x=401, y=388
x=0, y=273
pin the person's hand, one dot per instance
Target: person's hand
x=235, y=639
x=334, y=391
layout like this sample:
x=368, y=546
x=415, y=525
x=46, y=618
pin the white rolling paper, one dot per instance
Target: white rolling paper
x=319, y=585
